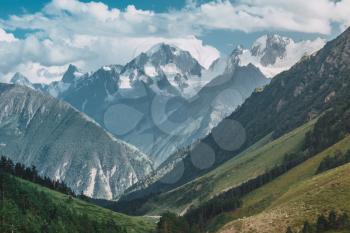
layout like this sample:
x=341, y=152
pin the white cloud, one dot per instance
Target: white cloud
x=36, y=72
x=6, y=37
x=311, y=16
x=92, y=34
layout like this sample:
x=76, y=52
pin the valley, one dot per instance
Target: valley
x=187, y=117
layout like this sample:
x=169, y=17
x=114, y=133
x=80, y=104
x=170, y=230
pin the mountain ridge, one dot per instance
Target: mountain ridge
x=292, y=98
x=58, y=129
x=139, y=102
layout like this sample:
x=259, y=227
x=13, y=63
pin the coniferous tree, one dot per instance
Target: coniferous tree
x=306, y=228
x=343, y=221
x=332, y=220
x=322, y=224
x=289, y=230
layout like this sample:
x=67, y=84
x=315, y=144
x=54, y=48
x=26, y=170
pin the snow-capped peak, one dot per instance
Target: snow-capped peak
x=164, y=54
x=270, y=42
x=163, y=47
x=270, y=47
x=165, y=67
x=273, y=53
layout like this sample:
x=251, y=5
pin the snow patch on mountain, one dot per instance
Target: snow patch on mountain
x=273, y=54
x=89, y=191
x=124, y=82
x=150, y=70
x=106, y=68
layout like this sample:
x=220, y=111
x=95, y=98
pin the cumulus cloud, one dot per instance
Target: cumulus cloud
x=92, y=34
x=6, y=37
x=89, y=35
x=312, y=16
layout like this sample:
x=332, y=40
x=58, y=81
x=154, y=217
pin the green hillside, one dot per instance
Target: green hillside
x=294, y=197
x=254, y=161
x=28, y=207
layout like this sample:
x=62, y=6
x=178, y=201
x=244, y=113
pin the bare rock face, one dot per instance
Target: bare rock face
x=66, y=145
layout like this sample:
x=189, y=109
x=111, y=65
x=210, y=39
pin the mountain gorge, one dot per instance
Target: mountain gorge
x=212, y=116
x=195, y=123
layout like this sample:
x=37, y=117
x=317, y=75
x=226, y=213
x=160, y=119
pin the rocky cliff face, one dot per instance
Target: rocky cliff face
x=65, y=144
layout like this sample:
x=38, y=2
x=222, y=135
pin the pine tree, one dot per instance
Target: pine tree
x=343, y=221
x=322, y=224
x=332, y=219
x=289, y=230
x=307, y=228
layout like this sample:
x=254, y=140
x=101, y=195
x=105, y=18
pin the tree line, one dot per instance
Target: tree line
x=230, y=200
x=332, y=126
x=334, y=221
x=26, y=209
x=330, y=162
x=198, y=217
x=31, y=174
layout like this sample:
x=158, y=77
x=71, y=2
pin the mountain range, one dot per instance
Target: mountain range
x=164, y=100
x=293, y=98
x=225, y=148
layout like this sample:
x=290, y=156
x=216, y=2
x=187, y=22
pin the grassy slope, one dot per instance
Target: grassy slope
x=133, y=224
x=294, y=197
x=250, y=163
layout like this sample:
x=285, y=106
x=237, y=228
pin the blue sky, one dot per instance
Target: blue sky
x=224, y=40
x=20, y=6
x=90, y=34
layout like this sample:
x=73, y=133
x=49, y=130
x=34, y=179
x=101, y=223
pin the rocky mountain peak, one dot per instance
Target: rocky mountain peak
x=164, y=49
x=162, y=56
x=270, y=47
x=166, y=68
x=71, y=74
x=20, y=79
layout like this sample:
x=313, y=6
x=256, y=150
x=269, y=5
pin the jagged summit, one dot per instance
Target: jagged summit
x=165, y=69
x=270, y=47
x=71, y=74
x=167, y=59
x=163, y=47
x=273, y=53
x=20, y=79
